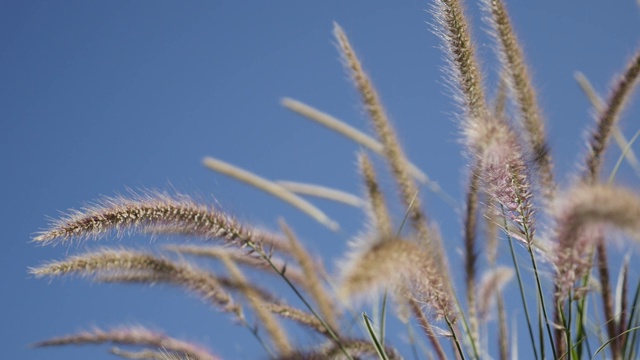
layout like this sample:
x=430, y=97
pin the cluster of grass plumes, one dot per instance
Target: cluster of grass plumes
x=511, y=192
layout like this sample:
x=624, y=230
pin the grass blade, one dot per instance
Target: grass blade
x=379, y=347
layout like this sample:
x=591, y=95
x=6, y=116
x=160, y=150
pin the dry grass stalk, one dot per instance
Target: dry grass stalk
x=471, y=256
x=622, y=301
x=579, y=223
x=390, y=263
x=599, y=106
x=152, y=278
x=378, y=212
x=391, y=147
x=215, y=252
x=512, y=59
x=488, y=137
x=322, y=192
x=272, y=188
x=464, y=71
x=312, y=284
x=605, y=124
x=149, y=354
x=133, y=335
x=608, y=117
x=275, y=331
x=153, y=212
x=352, y=133
x=505, y=179
x=296, y=315
x=357, y=349
x=503, y=331
x=127, y=262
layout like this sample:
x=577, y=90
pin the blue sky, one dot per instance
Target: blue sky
x=100, y=97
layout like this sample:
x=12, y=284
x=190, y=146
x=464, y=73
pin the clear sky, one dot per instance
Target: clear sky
x=98, y=97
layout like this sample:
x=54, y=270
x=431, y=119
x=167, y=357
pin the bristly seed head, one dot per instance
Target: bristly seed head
x=153, y=213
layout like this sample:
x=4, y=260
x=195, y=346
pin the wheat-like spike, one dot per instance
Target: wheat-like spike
x=149, y=354
x=608, y=117
x=154, y=278
x=350, y=132
x=322, y=192
x=464, y=70
x=490, y=138
x=585, y=209
x=131, y=335
x=153, y=212
x=392, y=263
x=503, y=331
x=215, y=252
x=598, y=104
x=378, y=211
x=366, y=141
x=513, y=63
x=356, y=348
x=499, y=105
x=505, y=179
x=272, y=188
x=471, y=256
x=123, y=262
x=605, y=124
x=275, y=331
x=313, y=284
x=392, y=150
x=301, y=317
x=434, y=268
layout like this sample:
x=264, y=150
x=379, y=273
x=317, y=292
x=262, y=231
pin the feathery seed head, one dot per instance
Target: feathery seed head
x=154, y=213
x=132, y=335
x=580, y=218
x=396, y=264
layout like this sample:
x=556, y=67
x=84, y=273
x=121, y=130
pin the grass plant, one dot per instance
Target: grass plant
x=557, y=238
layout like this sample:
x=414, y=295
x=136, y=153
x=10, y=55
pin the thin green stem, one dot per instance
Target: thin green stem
x=625, y=151
x=529, y=239
x=467, y=328
x=520, y=284
x=542, y=303
x=383, y=317
x=455, y=338
x=330, y=331
x=376, y=342
x=254, y=332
